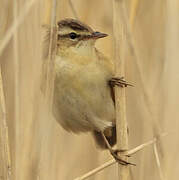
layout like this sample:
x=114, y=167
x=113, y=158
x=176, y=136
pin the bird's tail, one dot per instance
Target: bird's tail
x=110, y=134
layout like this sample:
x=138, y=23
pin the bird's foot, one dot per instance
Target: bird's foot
x=115, y=81
x=115, y=153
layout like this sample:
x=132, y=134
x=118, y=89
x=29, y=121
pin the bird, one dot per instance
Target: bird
x=84, y=98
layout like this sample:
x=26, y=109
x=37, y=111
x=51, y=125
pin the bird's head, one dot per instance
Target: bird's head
x=77, y=36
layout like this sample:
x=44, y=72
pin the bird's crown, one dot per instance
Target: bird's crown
x=75, y=30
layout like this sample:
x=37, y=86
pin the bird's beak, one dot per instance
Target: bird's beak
x=96, y=35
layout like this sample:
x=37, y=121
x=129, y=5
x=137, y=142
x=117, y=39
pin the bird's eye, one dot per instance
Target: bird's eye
x=73, y=35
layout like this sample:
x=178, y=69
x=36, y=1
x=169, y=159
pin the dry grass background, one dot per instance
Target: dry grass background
x=39, y=148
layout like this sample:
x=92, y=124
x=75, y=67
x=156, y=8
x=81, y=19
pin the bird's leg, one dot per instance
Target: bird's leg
x=114, y=153
x=115, y=81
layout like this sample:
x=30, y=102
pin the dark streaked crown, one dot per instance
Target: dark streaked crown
x=75, y=25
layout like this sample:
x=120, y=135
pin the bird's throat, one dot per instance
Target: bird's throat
x=84, y=49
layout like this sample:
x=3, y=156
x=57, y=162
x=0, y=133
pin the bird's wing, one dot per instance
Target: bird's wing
x=108, y=63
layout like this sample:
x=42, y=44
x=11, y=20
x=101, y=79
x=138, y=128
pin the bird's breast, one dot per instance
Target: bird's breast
x=82, y=94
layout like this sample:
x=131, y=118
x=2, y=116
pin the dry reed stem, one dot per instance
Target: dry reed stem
x=49, y=65
x=4, y=139
x=16, y=65
x=113, y=161
x=158, y=161
x=16, y=23
x=134, y=51
x=131, y=42
x=140, y=147
x=16, y=82
x=73, y=9
x=133, y=11
x=51, y=55
x=120, y=99
x=96, y=170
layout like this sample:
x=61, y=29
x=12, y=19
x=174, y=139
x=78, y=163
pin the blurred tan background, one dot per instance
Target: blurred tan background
x=39, y=148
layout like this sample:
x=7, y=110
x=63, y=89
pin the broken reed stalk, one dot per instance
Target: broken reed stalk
x=121, y=121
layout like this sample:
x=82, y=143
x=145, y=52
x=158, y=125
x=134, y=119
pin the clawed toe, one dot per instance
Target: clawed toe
x=115, y=81
x=122, y=152
x=115, y=155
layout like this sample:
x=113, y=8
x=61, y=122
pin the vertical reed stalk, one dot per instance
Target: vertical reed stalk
x=5, y=161
x=133, y=11
x=73, y=9
x=16, y=83
x=51, y=55
x=121, y=122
